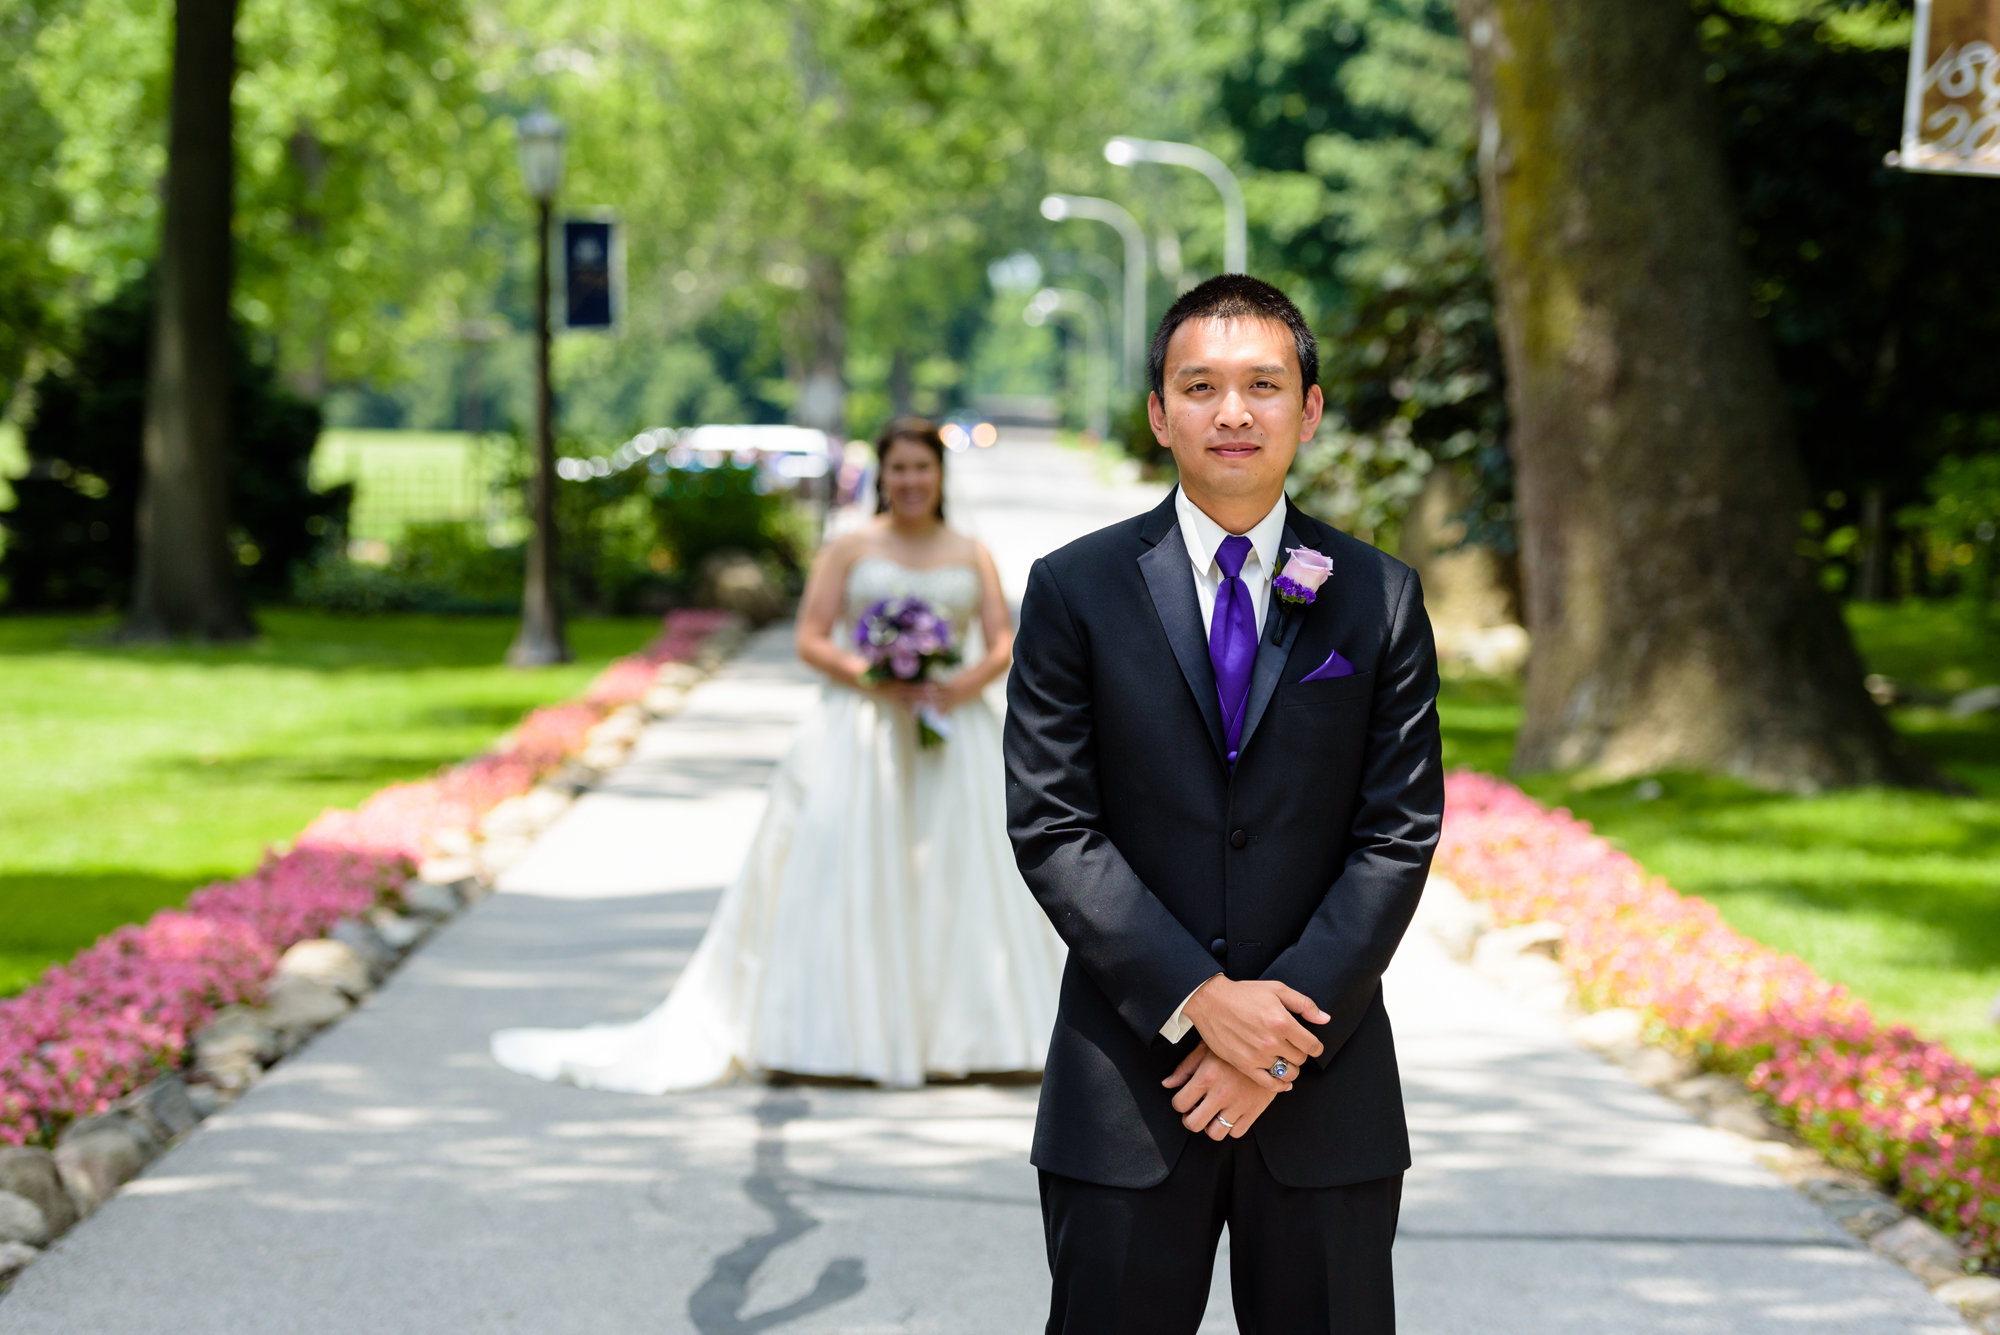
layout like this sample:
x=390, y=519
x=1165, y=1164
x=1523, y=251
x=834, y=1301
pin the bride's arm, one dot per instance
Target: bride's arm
x=996, y=627
x=819, y=609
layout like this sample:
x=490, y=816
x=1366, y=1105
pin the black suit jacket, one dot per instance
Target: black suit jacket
x=1160, y=867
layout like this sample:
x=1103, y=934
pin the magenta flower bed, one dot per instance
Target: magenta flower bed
x=1873, y=1097
x=121, y=1012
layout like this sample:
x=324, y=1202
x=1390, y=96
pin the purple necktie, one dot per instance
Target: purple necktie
x=1232, y=639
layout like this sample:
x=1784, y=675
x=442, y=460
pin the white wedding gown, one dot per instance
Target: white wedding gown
x=878, y=928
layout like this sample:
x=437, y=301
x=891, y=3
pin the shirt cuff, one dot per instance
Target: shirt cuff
x=1177, y=1025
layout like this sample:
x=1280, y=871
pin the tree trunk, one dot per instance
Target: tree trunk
x=186, y=582
x=1674, y=622
x=823, y=396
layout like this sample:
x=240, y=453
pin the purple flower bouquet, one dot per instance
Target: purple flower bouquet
x=906, y=640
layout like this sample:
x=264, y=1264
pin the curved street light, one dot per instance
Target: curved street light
x=1058, y=207
x=1055, y=301
x=540, y=642
x=1124, y=151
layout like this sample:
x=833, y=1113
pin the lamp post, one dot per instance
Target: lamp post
x=1051, y=301
x=1058, y=207
x=540, y=642
x=1125, y=150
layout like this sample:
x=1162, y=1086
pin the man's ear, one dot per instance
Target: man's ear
x=1156, y=414
x=1315, y=409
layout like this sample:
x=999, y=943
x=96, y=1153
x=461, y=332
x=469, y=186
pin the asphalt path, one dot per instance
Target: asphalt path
x=390, y=1178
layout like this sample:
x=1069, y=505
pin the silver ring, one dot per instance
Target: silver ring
x=1225, y=1122
x=1280, y=1069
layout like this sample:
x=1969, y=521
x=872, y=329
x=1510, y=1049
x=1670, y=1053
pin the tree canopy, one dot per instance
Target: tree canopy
x=777, y=167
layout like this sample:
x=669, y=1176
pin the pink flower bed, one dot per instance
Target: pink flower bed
x=121, y=1012
x=1873, y=1097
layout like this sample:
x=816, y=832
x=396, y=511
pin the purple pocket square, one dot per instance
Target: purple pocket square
x=1334, y=666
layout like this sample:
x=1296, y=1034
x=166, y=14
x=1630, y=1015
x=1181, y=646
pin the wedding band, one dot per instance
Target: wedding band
x=1279, y=1069
x=1225, y=1122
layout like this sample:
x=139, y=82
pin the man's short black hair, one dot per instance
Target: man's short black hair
x=1234, y=296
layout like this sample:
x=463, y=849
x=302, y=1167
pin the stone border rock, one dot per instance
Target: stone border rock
x=43, y=1194
x=1524, y=960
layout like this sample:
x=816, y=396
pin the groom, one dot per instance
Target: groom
x=1223, y=786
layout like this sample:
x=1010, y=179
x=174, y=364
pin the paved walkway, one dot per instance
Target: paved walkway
x=389, y=1178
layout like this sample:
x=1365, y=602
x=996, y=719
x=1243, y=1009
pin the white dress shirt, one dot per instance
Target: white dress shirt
x=1203, y=536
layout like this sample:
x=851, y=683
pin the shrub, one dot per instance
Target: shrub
x=1959, y=524
x=71, y=540
x=463, y=570
x=335, y=584
x=440, y=568
x=702, y=511
x=639, y=534
x=610, y=543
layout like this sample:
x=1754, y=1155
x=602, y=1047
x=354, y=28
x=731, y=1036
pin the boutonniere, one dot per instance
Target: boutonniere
x=1299, y=581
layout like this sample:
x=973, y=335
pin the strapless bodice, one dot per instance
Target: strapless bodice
x=953, y=590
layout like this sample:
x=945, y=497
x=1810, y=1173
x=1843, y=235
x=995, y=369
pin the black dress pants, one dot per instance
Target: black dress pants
x=1302, y=1261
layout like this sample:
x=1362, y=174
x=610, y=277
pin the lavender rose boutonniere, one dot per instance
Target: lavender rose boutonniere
x=906, y=640
x=1299, y=581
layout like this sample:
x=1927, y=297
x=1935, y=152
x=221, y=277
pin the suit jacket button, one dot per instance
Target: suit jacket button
x=1238, y=839
x=1218, y=947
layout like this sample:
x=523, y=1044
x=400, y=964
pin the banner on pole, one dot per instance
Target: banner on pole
x=590, y=273
x=1951, y=111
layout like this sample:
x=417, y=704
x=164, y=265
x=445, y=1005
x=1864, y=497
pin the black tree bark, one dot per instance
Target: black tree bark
x=540, y=641
x=1674, y=622
x=186, y=580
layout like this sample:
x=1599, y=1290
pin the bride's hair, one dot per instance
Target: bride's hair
x=923, y=431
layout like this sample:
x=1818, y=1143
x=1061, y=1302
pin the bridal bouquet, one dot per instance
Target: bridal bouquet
x=906, y=640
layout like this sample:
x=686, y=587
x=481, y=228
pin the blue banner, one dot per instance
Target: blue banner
x=587, y=278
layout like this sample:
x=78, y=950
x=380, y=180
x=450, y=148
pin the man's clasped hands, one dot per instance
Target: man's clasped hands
x=1246, y=1029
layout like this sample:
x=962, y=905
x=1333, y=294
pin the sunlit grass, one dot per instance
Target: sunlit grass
x=1895, y=894
x=133, y=775
x=402, y=477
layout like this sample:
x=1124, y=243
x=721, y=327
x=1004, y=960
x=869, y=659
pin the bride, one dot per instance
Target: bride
x=878, y=928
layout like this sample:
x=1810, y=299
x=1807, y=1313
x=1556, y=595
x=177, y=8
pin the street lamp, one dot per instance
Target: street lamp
x=540, y=642
x=1125, y=151
x=1058, y=207
x=541, y=143
x=1052, y=301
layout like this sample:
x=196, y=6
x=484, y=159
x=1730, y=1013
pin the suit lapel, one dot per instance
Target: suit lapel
x=1170, y=579
x=1274, y=647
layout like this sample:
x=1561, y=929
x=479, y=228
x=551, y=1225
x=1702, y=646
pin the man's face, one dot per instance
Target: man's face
x=1233, y=414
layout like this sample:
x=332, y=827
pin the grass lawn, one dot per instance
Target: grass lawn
x=1895, y=894
x=404, y=477
x=133, y=775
